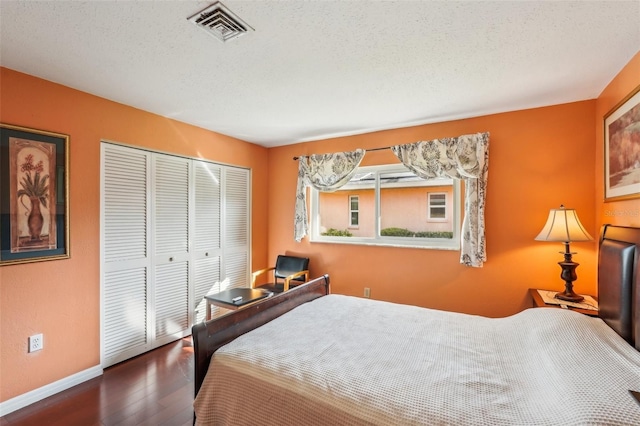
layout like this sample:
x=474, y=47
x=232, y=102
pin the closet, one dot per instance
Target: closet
x=173, y=229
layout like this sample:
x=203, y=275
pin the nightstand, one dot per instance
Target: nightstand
x=538, y=302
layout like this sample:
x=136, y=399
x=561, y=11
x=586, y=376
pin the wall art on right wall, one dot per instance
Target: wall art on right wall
x=622, y=149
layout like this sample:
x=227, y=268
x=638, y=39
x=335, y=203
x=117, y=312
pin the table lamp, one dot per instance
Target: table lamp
x=563, y=225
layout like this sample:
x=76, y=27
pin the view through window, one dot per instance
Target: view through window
x=389, y=205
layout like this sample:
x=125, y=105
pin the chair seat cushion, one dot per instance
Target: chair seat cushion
x=277, y=287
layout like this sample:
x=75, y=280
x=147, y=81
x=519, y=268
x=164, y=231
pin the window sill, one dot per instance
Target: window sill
x=452, y=247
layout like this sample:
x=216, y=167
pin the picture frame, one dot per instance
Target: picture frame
x=34, y=195
x=622, y=149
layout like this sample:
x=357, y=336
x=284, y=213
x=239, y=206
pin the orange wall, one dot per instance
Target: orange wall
x=539, y=159
x=62, y=298
x=627, y=212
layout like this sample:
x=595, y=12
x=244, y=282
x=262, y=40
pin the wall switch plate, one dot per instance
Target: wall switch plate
x=36, y=342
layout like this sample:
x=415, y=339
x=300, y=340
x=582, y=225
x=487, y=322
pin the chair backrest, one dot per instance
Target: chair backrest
x=287, y=265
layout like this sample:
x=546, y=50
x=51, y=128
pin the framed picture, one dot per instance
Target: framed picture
x=34, y=195
x=622, y=149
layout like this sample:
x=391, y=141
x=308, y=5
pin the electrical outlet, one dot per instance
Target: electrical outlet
x=367, y=292
x=36, y=342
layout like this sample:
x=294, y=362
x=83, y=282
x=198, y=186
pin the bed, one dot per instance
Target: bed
x=308, y=357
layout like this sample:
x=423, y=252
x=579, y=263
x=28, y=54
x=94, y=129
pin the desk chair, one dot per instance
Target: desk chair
x=288, y=272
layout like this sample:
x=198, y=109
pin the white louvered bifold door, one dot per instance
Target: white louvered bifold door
x=207, y=248
x=125, y=259
x=173, y=230
x=236, y=227
x=170, y=247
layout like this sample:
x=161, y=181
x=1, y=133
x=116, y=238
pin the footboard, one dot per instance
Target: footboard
x=211, y=335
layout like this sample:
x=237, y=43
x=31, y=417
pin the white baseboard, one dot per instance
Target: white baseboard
x=20, y=401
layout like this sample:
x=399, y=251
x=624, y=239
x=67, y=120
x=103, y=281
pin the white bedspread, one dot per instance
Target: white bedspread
x=342, y=360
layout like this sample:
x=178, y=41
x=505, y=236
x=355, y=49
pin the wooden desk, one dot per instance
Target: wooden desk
x=539, y=303
x=225, y=299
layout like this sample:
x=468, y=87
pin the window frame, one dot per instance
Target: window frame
x=351, y=211
x=387, y=241
x=430, y=218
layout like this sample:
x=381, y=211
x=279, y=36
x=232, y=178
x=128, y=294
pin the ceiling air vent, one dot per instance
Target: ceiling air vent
x=220, y=22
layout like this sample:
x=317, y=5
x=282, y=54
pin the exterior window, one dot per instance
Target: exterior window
x=354, y=213
x=437, y=208
x=386, y=207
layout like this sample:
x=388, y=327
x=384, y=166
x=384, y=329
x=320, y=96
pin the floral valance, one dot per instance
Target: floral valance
x=324, y=172
x=464, y=157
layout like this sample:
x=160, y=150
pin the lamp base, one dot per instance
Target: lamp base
x=569, y=276
x=569, y=297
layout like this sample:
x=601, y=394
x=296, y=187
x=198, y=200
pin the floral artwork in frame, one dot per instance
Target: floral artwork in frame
x=34, y=204
x=622, y=149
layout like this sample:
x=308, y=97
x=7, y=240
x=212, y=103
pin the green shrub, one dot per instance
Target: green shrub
x=332, y=232
x=396, y=232
x=402, y=232
x=434, y=234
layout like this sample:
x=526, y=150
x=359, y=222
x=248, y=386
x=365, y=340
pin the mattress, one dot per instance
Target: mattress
x=342, y=360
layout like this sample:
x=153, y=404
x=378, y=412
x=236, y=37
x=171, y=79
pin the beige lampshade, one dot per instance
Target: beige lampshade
x=563, y=225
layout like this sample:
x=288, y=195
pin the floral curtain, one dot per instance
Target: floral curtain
x=464, y=157
x=325, y=172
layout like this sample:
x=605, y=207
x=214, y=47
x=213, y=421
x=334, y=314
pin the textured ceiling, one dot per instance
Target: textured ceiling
x=317, y=69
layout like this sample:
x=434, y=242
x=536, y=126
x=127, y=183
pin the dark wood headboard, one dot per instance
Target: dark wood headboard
x=619, y=281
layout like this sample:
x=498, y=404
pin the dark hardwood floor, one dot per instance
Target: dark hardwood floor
x=155, y=388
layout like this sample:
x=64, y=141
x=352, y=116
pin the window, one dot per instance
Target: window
x=386, y=207
x=437, y=206
x=353, y=211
